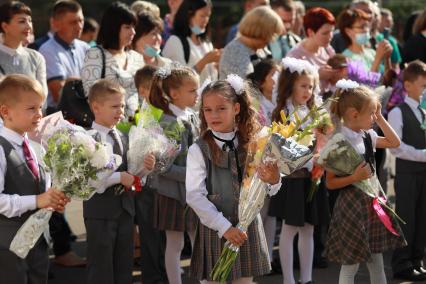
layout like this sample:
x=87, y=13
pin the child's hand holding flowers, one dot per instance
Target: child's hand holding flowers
x=126, y=179
x=52, y=198
x=149, y=162
x=269, y=173
x=362, y=172
x=235, y=236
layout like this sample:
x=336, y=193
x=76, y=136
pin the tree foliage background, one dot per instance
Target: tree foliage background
x=225, y=12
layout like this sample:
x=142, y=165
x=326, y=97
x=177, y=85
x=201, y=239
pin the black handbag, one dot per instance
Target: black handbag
x=73, y=104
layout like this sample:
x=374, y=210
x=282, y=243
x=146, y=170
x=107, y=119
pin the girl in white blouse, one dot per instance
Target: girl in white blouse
x=189, y=44
x=115, y=35
x=214, y=175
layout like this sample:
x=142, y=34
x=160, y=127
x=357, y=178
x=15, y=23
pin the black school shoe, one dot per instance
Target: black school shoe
x=410, y=274
x=310, y=282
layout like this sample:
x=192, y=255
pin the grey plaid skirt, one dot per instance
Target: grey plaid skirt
x=253, y=259
x=356, y=231
x=171, y=215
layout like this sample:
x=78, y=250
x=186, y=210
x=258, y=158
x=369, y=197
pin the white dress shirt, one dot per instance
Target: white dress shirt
x=196, y=190
x=356, y=139
x=103, y=131
x=14, y=205
x=182, y=114
x=405, y=151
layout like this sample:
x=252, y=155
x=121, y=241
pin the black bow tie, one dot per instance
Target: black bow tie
x=229, y=145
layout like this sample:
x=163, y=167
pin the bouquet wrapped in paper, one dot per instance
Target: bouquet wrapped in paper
x=150, y=137
x=340, y=158
x=283, y=143
x=78, y=165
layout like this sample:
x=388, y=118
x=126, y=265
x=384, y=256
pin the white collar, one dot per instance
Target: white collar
x=12, y=51
x=411, y=102
x=101, y=128
x=178, y=112
x=12, y=136
x=224, y=136
x=352, y=135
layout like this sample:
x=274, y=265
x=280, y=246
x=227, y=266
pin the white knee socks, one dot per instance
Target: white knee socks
x=375, y=268
x=174, y=246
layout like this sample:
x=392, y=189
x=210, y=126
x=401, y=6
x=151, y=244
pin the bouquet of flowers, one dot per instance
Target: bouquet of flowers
x=283, y=143
x=341, y=158
x=150, y=137
x=78, y=166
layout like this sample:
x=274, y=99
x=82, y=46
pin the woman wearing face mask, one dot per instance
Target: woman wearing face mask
x=189, y=44
x=16, y=27
x=147, y=40
x=353, y=24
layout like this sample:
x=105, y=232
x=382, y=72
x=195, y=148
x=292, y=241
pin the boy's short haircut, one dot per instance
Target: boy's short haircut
x=337, y=61
x=12, y=86
x=414, y=70
x=64, y=6
x=90, y=25
x=144, y=76
x=104, y=88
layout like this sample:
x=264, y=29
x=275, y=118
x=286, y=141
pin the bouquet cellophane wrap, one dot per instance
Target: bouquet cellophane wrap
x=149, y=137
x=78, y=165
x=263, y=148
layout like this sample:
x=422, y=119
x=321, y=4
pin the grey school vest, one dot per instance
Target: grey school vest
x=109, y=205
x=413, y=135
x=17, y=180
x=172, y=182
x=221, y=181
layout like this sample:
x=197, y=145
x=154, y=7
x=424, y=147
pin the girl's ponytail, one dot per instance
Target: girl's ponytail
x=156, y=95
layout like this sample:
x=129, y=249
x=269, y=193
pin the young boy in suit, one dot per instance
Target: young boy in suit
x=410, y=178
x=108, y=215
x=24, y=185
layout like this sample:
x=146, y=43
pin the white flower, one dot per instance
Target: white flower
x=298, y=65
x=84, y=140
x=100, y=158
x=346, y=84
x=206, y=82
x=236, y=82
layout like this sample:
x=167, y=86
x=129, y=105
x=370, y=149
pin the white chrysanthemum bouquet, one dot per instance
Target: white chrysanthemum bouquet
x=151, y=137
x=78, y=165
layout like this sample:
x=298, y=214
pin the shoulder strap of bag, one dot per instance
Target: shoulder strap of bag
x=103, y=61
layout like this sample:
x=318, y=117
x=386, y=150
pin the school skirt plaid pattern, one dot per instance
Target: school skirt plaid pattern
x=253, y=259
x=355, y=230
x=171, y=215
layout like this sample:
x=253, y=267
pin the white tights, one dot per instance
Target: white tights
x=306, y=252
x=375, y=268
x=269, y=226
x=174, y=246
x=245, y=280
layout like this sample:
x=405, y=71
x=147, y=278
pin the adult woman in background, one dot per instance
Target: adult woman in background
x=16, y=26
x=147, y=40
x=121, y=63
x=257, y=28
x=415, y=47
x=319, y=26
x=353, y=24
x=189, y=44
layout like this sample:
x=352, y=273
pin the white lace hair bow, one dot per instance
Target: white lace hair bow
x=298, y=65
x=346, y=84
x=166, y=70
x=206, y=82
x=236, y=82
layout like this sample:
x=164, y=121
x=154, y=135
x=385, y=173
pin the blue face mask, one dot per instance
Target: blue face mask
x=423, y=100
x=197, y=30
x=150, y=51
x=362, y=38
